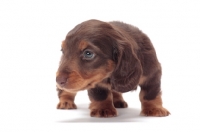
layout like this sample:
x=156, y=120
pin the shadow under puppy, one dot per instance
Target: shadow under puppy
x=108, y=59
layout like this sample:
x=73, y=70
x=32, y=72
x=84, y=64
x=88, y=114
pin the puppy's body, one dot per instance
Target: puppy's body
x=107, y=59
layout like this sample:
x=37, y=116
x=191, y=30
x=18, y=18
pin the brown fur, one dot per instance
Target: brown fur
x=118, y=100
x=114, y=56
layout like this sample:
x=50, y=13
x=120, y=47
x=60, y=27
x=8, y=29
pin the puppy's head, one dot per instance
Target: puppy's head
x=94, y=51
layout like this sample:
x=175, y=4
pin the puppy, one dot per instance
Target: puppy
x=108, y=59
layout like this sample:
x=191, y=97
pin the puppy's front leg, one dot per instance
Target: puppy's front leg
x=101, y=102
x=66, y=100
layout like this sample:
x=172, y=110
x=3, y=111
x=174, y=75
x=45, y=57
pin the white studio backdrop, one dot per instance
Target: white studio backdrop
x=31, y=32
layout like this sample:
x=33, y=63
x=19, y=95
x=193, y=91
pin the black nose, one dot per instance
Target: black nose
x=61, y=80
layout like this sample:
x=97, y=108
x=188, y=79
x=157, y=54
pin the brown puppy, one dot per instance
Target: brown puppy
x=107, y=59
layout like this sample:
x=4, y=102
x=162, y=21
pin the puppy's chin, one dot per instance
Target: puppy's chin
x=80, y=86
x=71, y=90
x=74, y=90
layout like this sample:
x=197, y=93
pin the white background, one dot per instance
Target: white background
x=30, y=37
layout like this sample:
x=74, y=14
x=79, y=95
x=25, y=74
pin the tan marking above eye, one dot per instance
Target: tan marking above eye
x=63, y=45
x=83, y=45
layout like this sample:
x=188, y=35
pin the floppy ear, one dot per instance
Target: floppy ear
x=128, y=70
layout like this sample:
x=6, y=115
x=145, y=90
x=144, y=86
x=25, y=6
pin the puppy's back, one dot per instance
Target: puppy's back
x=134, y=32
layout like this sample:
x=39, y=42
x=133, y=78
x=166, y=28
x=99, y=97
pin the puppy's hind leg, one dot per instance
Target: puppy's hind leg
x=118, y=100
x=150, y=96
x=101, y=102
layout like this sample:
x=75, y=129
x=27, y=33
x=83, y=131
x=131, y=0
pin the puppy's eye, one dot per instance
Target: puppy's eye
x=61, y=50
x=88, y=55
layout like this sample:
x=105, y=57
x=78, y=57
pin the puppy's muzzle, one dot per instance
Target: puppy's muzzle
x=62, y=79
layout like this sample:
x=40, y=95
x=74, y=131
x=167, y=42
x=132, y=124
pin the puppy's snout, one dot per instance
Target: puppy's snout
x=61, y=80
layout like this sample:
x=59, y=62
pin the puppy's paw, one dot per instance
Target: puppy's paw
x=66, y=105
x=103, y=112
x=120, y=104
x=157, y=111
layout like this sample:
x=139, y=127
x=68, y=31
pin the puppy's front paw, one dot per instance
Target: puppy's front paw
x=103, y=112
x=157, y=111
x=66, y=105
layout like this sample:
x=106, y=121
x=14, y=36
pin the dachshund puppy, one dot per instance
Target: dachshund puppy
x=108, y=59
